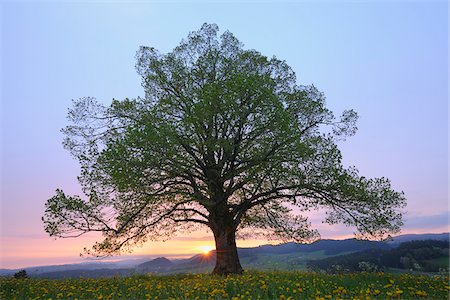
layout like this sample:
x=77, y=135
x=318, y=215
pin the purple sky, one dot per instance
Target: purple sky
x=388, y=61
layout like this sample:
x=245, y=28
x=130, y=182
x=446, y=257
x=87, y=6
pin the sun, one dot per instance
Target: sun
x=205, y=249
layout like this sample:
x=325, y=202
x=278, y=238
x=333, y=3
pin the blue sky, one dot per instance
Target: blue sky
x=386, y=60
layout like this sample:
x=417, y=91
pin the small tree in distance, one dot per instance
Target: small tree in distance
x=224, y=138
x=20, y=275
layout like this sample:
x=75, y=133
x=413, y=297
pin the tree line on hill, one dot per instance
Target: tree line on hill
x=414, y=255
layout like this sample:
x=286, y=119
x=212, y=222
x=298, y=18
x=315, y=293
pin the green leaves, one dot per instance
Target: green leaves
x=371, y=205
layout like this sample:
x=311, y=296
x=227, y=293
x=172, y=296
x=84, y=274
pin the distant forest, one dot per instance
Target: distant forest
x=425, y=256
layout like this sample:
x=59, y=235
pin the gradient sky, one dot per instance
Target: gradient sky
x=386, y=60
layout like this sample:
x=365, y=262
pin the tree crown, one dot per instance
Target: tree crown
x=222, y=132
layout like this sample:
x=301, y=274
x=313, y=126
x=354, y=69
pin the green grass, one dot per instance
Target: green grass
x=251, y=285
x=281, y=262
x=442, y=262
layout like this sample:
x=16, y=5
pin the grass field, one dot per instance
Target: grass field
x=251, y=285
x=442, y=262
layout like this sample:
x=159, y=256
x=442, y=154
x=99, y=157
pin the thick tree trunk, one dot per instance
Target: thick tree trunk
x=227, y=256
x=224, y=229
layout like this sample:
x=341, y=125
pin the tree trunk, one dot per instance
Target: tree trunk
x=227, y=261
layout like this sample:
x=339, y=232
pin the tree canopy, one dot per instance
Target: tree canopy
x=224, y=138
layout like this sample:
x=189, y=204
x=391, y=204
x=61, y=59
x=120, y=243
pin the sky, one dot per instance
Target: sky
x=388, y=60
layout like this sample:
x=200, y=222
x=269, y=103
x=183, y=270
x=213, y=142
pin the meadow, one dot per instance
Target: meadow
x=251, y=285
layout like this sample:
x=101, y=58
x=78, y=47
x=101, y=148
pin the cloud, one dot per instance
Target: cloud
x=416, y=221
x=193, y=238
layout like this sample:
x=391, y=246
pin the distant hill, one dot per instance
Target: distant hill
x=199, y=263
x=7, y=272
x=160, y=265
x=420, y=237
x=417, y=255
x=95, y=273
x=330, y=247
x=287, y=256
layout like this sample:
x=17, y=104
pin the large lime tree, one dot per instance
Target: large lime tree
x=224, y=138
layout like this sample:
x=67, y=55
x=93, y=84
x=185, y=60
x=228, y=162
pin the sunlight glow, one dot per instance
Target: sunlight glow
x=205, y=248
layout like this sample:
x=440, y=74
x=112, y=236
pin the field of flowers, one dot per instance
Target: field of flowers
x=251, y=285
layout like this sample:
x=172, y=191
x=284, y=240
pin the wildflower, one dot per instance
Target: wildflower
x=421, y=293
x=398, y=291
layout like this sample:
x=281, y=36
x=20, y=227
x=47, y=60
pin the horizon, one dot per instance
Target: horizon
x=128, y=257
x=388, y=61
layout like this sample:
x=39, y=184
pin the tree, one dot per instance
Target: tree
x=224, y=138
x=20, y=275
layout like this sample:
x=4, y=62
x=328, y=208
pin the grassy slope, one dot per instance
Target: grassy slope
x=442, y=262
x=286, y=262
